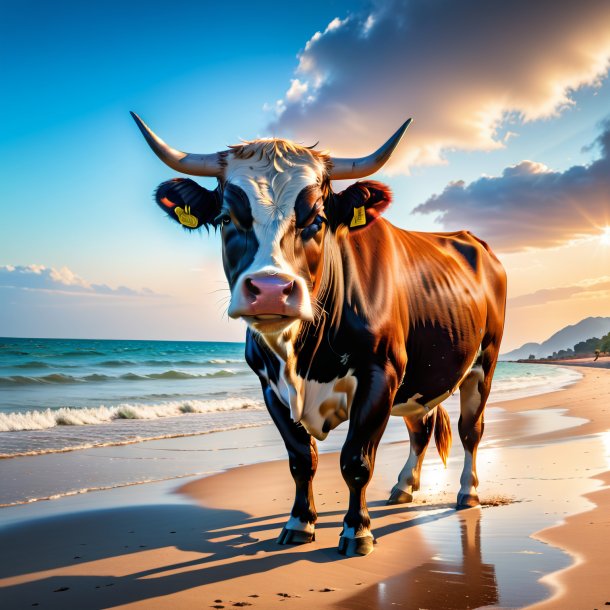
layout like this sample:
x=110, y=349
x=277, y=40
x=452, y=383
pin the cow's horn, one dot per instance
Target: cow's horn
x=185, y=163
x=344, y=169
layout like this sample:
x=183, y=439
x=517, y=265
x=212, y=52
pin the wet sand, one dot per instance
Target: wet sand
x=213, y=543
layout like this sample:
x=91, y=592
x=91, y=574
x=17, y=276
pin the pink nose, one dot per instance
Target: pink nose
x=267, y=291
x=268, y=295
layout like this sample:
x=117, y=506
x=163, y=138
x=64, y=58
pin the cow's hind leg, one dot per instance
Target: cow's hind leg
x=474, y=391
x=303, y=460
x=420, y=432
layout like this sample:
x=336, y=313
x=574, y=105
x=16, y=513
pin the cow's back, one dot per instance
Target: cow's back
x=438, y=295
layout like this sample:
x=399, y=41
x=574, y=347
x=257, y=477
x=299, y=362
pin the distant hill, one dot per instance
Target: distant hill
x=565, y=338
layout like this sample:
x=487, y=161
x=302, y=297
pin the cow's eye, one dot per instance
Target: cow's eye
x=222, y=219
x=313, y=227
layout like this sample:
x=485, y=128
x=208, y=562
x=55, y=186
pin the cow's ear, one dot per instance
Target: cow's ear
x=188, y=203
x=361, y=204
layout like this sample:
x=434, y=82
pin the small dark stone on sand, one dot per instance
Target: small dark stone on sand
x=284, y=595
x=218, y=601
x=35, y=604
x=326, y=590
x=61, y=589
x=76, y=556
x=110, y=584
x=255, y=595
x=98, y=586
x=242, y=604
x=217, y=607
x=142, y=546
x=172, y=532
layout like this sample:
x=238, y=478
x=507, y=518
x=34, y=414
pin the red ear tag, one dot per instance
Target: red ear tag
x=167, y=203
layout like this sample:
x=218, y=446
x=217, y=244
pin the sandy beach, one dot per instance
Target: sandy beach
x=540, y=537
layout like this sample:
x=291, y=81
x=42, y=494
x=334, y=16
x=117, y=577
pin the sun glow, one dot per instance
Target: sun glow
x=604, y=238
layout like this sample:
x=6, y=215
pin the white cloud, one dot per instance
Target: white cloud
x=63, y=280
x=529, y=205
x=460, y=68
x=296, y=92
x=590, y=288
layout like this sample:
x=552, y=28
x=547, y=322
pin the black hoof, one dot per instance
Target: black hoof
x=398, y=496
x=351, y=547
x=467, y=501
x=295, y=537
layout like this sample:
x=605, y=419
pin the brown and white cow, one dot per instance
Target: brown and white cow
x=349, y=317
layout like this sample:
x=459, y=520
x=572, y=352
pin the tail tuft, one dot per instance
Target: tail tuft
x=442, y=433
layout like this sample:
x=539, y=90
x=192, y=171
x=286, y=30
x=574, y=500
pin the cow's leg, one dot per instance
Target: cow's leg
x=474, y=391
x=303, y=460
x=368, y=418
x=420, y=430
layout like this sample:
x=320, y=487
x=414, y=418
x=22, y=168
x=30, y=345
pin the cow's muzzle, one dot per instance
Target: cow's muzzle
x=268, y=299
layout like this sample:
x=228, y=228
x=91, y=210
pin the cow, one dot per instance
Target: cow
x=349, y=318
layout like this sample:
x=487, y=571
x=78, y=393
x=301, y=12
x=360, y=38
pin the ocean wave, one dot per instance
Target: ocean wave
x=33, y=364
x=68, y=416
x=113, y=363
x=56, y=378
x=553, y=376
x=24, y=380
x=119, y=363
x=84, y=490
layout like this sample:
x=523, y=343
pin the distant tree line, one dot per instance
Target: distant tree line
x=592, y=345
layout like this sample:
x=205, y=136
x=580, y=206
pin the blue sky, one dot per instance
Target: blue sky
x=79, y=178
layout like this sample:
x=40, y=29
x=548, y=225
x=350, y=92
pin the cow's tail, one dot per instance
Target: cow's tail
x=442, y=433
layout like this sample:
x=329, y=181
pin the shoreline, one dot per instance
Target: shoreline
x=235, y=556
x=44, y=476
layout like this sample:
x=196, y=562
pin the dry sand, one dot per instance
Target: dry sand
x=217, y=549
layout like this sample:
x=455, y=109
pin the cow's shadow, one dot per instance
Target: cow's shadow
x=225, y=544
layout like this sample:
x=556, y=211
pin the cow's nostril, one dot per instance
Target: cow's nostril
x=287, y=289
x=251, y=287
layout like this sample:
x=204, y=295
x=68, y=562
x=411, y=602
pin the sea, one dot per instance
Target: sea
x=59, y=395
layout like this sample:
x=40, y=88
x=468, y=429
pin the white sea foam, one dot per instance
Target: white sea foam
x=49, y=418
x=102, y=442
x=540, y=380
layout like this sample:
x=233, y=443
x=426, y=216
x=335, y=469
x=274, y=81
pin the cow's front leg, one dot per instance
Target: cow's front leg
x=368, y=418
x=303, y=460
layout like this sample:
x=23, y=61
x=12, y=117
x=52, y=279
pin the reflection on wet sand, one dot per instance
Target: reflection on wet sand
x=465, y=582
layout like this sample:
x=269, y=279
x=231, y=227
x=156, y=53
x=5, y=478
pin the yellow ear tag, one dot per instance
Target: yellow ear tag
x=186, y=218
x=359, y=218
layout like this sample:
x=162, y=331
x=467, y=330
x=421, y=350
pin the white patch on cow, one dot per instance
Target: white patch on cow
x=412, y=465
x=470, y=397
x=329, y=401
x=350, y=532
x=294, y=523
x=286, y=390
x=409, y=408
x=311, y=402
x=467, y=478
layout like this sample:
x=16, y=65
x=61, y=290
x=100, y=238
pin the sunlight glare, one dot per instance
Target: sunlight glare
x=604, y=238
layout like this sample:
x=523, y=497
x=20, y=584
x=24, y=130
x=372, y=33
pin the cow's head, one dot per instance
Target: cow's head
x=274, y=206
